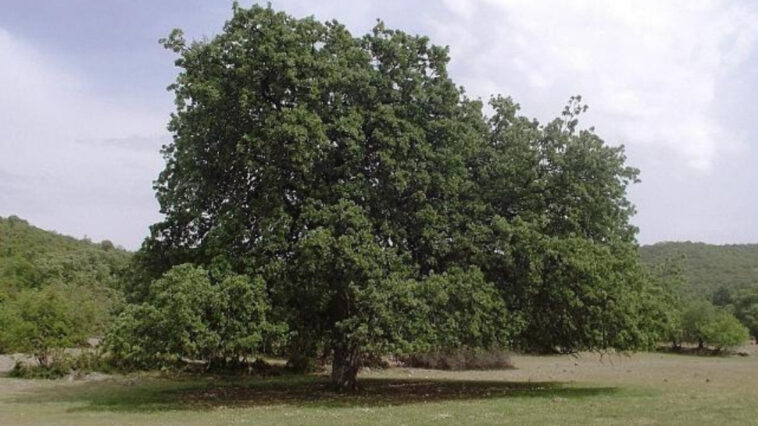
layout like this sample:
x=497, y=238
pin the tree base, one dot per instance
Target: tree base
x=345, y=367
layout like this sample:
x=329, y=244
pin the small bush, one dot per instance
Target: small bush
x=706, y=324
x=25, y=370
x=459, y=359
x=374, y=361
x=38, y=321
x=725, y=332
x=61, y=366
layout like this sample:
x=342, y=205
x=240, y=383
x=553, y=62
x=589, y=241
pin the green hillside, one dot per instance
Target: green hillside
x=34, y=259
x=708, y=267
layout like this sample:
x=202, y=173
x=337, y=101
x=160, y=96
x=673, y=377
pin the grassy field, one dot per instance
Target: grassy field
x=642, y=389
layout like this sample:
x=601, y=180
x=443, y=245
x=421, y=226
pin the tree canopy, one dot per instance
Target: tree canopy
x=380, y=206
x=192, y=314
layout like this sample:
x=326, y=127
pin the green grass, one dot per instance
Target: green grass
x=642, y=389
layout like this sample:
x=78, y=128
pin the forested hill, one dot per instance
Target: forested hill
x=34, y=259
x=708, y=267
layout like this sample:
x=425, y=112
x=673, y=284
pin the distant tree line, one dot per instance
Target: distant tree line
x=724, y=277
x=691, y=318
x=711, y=271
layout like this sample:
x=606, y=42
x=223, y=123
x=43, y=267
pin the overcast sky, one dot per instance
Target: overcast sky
x=83, y=105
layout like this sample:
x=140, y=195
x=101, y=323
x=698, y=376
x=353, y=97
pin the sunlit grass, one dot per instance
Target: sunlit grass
x=642, y=389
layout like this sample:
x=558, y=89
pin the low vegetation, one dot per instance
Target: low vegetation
x=42, y=322
x=65, y=364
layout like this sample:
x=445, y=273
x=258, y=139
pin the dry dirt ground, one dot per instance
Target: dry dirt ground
x=645, y=388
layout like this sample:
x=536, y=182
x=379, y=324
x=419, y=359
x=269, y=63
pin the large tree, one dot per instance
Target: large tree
x=380, y=207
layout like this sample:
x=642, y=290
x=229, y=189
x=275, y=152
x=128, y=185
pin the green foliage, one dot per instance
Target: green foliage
x=745, y=305
x=463, y=311
x=241, y=322
x=550, y=229
x=348, y=285
x=692, y=273
x=667, y=299
x=711, y=271
x=34, y=258
x=724, y=331
x=684, y=317
x=574, y=294
x=695, y=317
x=383, y=210
x=41, y=322
x=82, y=276
x=187, y=317
x=133, y=338
x=704, y=323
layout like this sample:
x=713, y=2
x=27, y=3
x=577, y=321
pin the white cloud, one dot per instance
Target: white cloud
x=673, y=80
x=650, y=70
x=56, y=139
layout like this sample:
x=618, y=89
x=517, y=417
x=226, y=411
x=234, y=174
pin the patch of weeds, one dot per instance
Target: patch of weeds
x=62, y=365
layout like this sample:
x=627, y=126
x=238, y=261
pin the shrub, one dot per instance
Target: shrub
x=41, y=321
x=133, y=338
x=694, y=318
x=60, y=366
x=703, y=323
x=187, y=317
x=725, y=331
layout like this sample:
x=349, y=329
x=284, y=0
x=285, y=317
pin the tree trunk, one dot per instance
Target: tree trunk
x=700, y=344
x=345, y=365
